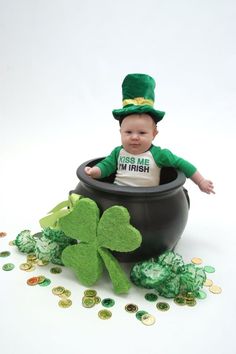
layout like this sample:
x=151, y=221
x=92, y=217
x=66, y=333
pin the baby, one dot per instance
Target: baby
x=138, y=162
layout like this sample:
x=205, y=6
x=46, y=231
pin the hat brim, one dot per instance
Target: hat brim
x=132, y=109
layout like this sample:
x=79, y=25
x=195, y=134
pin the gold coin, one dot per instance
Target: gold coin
x=65, y=294
x=31, y=257
x=90, y=293
x=191, y=302
x=189, y=296
x=132, y=308
x=180, y=300
x=196, y=260
x=215, y=289
x=97, y=300
x=104, y=314
x=208, y=282
x=41, y=279
x=58, y=290
x=65, y=303
x=31, y=269
x=88, y=301
x=25, y=266
x=148, y=319
x=41, y=262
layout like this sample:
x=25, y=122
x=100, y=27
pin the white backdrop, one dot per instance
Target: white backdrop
x=61, y=68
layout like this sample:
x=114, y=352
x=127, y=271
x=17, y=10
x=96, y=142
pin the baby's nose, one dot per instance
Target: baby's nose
x=135, y=136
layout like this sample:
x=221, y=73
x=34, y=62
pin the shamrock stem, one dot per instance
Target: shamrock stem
x=120, y=281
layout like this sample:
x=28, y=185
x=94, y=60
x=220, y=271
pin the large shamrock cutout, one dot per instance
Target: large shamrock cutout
x=112, y=231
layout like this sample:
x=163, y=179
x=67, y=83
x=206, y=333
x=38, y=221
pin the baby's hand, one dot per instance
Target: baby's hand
x=93, y=172
x=206, y=186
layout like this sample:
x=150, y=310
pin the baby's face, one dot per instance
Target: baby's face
x=137, y=133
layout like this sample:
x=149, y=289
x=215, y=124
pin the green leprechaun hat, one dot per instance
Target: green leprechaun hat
x=138, y=97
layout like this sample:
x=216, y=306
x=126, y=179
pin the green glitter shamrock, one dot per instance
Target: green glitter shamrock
x=168, y=275
x=47, y=244
x=97, y=236
x=25, y=241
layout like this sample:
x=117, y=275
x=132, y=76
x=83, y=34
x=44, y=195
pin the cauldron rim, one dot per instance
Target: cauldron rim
x=112, y=188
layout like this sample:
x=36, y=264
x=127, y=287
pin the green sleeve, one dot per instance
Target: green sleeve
x=165, y=158
x=109, y=164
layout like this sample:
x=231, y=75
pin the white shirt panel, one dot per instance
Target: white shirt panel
x=137, y=170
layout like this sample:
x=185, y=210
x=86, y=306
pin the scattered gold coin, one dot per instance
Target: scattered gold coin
x=215, y=289
x=41, y=262
x=148, y=319
x=196, y=260
x=25, y=266
x=90, y=293
x=31, y=269
x=104, y=314
x=31, y=257
x=41, y=279
x=65, y=303
x=208, y=282
x=58, y=290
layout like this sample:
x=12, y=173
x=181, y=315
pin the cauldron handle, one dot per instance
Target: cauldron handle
x=187, y=196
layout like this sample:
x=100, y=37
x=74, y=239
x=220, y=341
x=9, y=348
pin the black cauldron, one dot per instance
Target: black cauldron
x=160, y=213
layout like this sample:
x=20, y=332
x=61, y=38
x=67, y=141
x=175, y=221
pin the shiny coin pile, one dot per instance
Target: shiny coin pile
x=146, y=318
x=31, y=262
x=64, y=295
x=90, y=298
x=143, y=316
x=38, y=280
x=185, y=299
x=213, y=288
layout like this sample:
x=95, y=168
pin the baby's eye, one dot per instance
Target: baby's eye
x=128, y=132
x=142, y=133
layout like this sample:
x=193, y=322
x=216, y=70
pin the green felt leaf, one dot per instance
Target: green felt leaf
x=81, y=222
x=84, y=261
x=120, y=281
x=60, y=206
x=51, y=220
x=73, y=198
x=115, y=232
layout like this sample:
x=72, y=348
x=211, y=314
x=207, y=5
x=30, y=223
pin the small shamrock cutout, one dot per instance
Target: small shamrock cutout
x=60, y=210
x=97, y=236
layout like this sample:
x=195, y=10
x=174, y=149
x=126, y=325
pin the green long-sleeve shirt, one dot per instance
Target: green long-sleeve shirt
x=143, y=169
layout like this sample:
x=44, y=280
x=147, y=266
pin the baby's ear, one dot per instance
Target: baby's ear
x=155, y=132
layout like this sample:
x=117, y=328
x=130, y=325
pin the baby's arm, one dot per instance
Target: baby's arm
x=105, y=167
x=93, y=172
x=204, y=184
